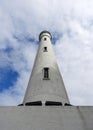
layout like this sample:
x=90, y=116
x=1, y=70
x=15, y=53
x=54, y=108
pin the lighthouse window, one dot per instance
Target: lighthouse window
x=53, y=103
x=45, y=49
x=45, y=39
x=46, y=73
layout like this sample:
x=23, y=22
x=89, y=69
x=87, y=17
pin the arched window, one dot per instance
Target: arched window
x=45, y=49
x=45, y=39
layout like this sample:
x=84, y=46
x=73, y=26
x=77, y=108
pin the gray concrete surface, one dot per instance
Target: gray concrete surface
x=46, y=118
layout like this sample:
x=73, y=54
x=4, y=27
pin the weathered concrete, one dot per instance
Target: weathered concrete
x=46, y=118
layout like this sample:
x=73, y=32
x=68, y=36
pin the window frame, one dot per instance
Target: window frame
x=45, y=49
x=46, y=73
x=45, y=39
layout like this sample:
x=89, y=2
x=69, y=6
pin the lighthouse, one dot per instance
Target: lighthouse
x=46, y=105
x=45, y=84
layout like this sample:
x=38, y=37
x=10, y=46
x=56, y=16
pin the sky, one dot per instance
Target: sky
x=71, y=24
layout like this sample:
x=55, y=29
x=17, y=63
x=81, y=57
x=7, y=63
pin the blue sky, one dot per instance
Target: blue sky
x=8, y=78
x=71, y=25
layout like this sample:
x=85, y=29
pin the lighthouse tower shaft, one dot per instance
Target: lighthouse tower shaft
x=46, y=83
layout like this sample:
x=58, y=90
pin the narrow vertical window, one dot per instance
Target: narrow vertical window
x=45, y=49
x=46, y=73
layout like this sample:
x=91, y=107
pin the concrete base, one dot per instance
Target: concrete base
x=46, y=118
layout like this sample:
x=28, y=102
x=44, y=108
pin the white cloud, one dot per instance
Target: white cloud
x=72, y=19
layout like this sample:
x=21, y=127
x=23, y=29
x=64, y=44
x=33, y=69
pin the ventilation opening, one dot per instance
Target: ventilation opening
x=52, y=103
x=36, y=103
x=45, y=49
x=46, y=73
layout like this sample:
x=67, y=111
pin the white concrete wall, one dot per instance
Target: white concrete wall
x=46, y=118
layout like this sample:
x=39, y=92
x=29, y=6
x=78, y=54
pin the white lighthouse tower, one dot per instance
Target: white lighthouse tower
x=46, y=105
x=46, y=84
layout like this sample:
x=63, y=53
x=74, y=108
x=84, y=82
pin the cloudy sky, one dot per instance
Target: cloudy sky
x=71, y=25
